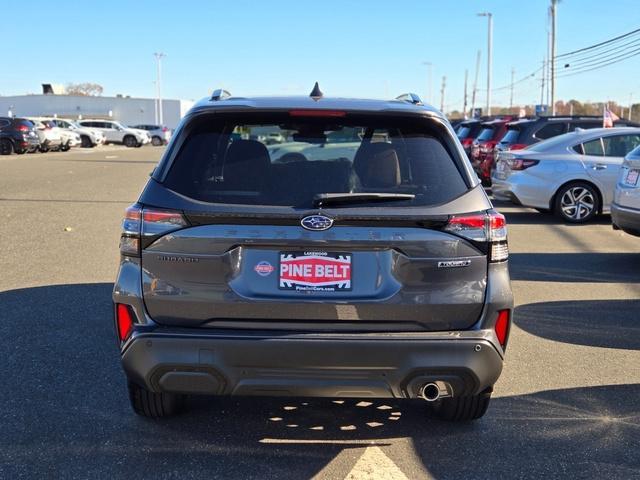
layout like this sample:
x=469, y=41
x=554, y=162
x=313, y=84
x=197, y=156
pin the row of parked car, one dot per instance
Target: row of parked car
x=566, y=165
x=31, y=134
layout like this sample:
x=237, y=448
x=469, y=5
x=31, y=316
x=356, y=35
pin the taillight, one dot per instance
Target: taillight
x=165, y=129
x=23, y=128
x=502, y=327
x=467, y=142
x=487, y=146
x=142, y=224
x=517, y=146
x=521, y=163
x=490, y=227
x=124, y=320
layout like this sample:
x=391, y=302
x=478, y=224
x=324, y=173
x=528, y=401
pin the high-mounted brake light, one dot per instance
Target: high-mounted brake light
x=142, y=224
x=124, y=321
x=317, y=113
x=502, y=327
x=490, y=227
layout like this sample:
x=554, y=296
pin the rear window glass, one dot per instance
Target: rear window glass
x=276, y=159
x=551, y=130
x=511, y=136
x=463, y=132
x=486, y=134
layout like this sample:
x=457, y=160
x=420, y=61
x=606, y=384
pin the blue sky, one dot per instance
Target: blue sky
x=353, y=48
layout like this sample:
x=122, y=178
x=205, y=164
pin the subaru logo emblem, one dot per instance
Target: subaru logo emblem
x=316, y=222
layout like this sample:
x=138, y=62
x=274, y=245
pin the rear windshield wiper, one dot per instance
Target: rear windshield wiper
x=323, y=199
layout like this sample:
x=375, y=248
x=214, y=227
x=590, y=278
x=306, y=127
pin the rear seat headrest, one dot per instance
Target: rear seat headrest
x=377, y=165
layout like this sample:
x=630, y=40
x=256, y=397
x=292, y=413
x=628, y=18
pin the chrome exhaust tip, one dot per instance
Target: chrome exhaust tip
x=429, y=392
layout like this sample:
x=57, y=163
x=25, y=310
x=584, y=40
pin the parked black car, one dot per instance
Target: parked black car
x=17, y=135
x=525, y=132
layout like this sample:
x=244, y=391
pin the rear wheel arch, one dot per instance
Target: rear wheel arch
x=552, y=202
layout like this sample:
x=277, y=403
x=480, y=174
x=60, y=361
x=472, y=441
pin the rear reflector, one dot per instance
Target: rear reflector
x=124, y=321
x=317, y=113
x=502, y=327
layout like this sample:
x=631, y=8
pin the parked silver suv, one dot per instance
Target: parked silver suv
x=380, y=271
x=625, y=209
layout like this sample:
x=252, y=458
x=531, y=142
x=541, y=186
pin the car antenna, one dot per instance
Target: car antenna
x=316, y=93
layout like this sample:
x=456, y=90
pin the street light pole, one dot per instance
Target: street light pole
x=159, y=57
x=429, y=72
x=489, y=56
x=553, y=56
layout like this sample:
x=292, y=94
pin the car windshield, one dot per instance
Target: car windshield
x=235, y=161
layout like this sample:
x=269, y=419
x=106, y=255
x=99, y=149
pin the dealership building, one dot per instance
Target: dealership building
x=125, y=109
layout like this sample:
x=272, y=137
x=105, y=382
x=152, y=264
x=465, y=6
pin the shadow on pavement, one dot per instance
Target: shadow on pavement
x=596, y=323
x=65, y=414
x=575, y=267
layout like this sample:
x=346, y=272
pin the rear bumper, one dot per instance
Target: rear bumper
x=626, y=219
x=323, y=365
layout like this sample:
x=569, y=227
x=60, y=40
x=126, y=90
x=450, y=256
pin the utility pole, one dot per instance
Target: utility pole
x=159, y=57
x=475, y=85
x=553, y=56
x=429, y=72
x=630, y=105
x=464, y=106
x=489, y=57
x=513, y=72
x=444, y=84
x=544, y=66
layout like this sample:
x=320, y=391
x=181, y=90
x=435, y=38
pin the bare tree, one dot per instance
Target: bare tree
x=85, y=89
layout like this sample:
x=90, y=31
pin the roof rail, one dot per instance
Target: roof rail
x=219, y=94
x=410, y=97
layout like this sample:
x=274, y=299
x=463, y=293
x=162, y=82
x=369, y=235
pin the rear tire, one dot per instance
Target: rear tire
x=152, y=404
x=577, y=202
x=85, y=142
x=65, y=147
x=130, y=141
x=6, y=147
x=463, y=409
x=156, y=141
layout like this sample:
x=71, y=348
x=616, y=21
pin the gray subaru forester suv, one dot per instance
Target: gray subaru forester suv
x=313, y=246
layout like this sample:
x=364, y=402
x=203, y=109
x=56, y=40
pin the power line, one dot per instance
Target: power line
x=591, y=47
x=602, y=64
x=604, y=53
x=603, y=60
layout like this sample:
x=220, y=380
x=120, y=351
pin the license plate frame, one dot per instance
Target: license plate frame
x=632, y=177
x=315, y=271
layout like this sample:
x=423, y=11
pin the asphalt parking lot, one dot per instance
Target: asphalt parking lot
x=567, y=404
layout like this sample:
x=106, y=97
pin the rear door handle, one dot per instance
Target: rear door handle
x=599, y=166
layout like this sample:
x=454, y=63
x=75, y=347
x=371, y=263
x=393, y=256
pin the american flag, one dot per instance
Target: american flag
x=608, y=118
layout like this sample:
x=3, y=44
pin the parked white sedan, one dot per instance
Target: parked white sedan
x=574, y=174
